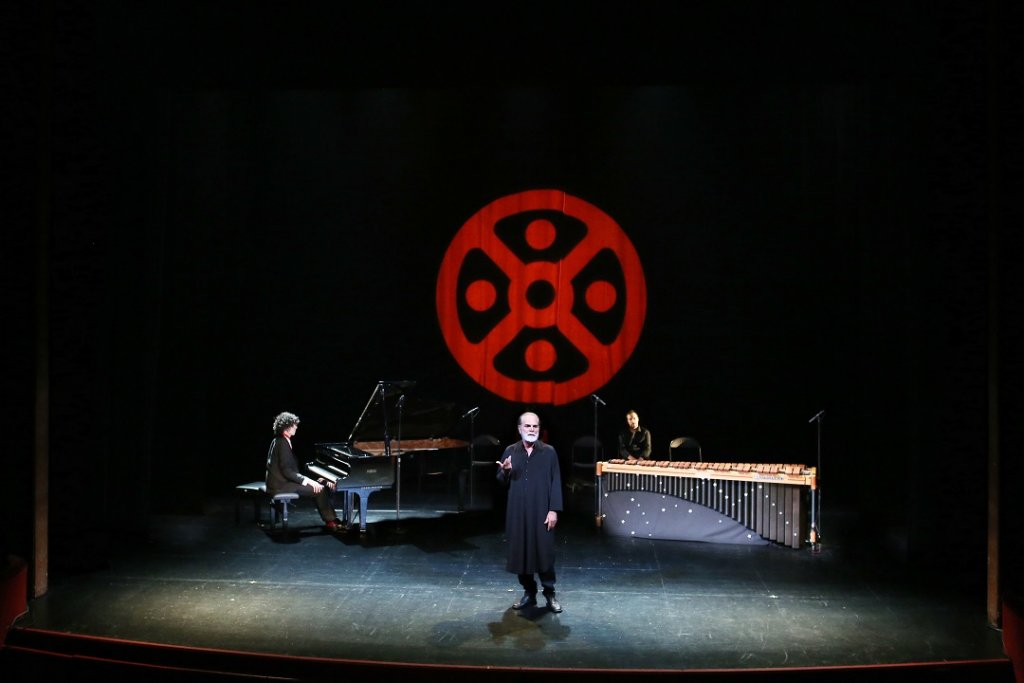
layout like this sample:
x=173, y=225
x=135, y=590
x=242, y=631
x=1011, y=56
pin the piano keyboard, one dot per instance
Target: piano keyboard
x=331, y=473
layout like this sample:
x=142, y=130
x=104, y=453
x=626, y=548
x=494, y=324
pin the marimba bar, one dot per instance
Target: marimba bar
x=775, y=501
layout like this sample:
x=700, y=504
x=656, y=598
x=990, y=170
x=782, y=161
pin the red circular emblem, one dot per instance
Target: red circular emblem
x=541, y=297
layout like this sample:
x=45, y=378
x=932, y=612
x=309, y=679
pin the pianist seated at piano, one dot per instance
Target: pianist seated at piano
x=283, y=474
x=634, y=440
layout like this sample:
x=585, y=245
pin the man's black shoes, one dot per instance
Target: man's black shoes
x=528, y=600
x=553, y=604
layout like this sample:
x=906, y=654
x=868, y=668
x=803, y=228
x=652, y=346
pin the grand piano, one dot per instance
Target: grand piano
x=394, y=423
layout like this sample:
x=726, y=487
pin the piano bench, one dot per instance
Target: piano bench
x=257, y=491
x=279, y=505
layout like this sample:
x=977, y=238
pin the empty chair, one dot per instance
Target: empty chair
x=586, y=452
x=484, y=453
x=684, y=448
x=485, y=442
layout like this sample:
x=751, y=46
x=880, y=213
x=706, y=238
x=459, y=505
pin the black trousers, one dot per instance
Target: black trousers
x=324, y=499
x=547, y=580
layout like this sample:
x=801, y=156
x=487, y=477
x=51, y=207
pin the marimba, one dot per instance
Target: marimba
x=708, y=501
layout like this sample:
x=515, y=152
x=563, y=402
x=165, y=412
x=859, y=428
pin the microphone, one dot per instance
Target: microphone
x=598, y=400
x=401, y=400
x=471, y=412
x=820, y=414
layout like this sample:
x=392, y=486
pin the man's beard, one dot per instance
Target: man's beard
x=529, y=438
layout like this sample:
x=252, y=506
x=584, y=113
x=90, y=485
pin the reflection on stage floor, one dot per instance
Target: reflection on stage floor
x=425, y=585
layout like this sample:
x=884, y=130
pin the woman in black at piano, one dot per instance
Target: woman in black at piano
x=283, y=474
x=634, y=441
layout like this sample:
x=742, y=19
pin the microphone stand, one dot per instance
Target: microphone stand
x=398, y=465
x=597, y=489
x=472, y=457
x=816, y=493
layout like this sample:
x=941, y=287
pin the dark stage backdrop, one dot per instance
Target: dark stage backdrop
x=280, y=251
x=233, y=237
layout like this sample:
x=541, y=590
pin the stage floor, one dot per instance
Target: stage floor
x=428, y=586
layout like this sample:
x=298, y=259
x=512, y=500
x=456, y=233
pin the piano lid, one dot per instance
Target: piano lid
x=394, y=409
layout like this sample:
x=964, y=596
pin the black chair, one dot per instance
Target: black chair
x=683, y=448
x=586, y=452
x=485, y=451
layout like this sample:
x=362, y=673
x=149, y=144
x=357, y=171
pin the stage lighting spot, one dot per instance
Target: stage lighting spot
x=481, y=295
x=601, y=296
x=540, y=234
x=540, y=355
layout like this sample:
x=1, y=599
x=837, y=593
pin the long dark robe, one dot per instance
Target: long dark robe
x=535, y=487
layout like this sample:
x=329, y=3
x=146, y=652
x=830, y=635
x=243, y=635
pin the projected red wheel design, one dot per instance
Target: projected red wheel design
x=541, y=297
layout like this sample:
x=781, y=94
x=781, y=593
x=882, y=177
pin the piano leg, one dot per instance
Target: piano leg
x=364, y=499
x=346, y=517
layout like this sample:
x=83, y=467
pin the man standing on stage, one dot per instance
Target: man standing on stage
x=530, y=469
